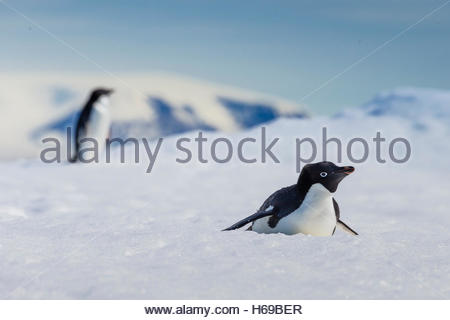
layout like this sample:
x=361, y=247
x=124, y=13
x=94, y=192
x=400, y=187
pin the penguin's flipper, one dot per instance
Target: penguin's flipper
x=345, y=227
x=253, y=217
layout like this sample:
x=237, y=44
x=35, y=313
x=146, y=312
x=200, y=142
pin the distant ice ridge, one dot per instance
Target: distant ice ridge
x=151, y=106
x=155, y=105
x=169, y=119
x=411, y=103
x=408, y=103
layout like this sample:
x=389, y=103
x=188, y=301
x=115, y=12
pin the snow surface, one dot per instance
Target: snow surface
x=109, y=231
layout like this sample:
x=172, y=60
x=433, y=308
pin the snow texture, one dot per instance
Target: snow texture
x=112, y=231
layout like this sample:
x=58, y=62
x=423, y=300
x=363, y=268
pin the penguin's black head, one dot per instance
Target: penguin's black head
x=99, y=92
x=326, y=173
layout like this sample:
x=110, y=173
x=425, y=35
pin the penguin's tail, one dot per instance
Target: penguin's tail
x=253, y=217
x=346, y=228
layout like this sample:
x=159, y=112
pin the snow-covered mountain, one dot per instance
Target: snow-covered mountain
x=416, y=104
x=150, y=106
x=411, y=103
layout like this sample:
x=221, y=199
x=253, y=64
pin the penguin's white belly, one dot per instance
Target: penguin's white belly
x=315, y=216
x=98, y=126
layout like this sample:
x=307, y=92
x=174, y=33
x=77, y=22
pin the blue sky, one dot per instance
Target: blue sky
x=286, y=48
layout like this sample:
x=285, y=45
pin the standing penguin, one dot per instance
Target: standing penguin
x=307, y=207
x=94, y=121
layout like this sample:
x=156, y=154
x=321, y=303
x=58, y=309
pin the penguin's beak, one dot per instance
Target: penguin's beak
x=109, y=91
x=346, y=170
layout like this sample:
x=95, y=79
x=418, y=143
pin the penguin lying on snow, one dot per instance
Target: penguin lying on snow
x=94, y=121
x=307, y=207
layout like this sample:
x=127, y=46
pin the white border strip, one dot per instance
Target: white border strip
x=310, y=309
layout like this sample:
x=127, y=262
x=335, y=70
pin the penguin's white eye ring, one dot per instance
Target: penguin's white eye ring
x=323, y=174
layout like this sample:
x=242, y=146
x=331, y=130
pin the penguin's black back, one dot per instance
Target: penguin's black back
x=83, y=119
